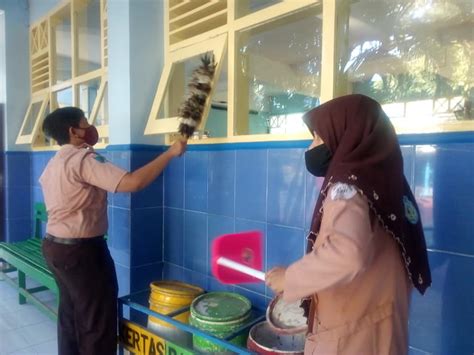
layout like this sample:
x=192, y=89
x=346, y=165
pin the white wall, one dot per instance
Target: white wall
x=135, y=66
x=2, y=57
x=16, y=68
x=119, y=71
x=147, y=60
x=39, y=8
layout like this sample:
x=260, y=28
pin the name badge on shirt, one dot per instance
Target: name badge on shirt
x=342, y=191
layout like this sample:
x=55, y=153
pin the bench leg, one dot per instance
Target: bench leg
x=21, y=285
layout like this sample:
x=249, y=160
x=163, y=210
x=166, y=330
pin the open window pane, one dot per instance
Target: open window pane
x=62, y=48
x=278, y=74
x=417, y=60
x=177, y=88
x=31, y=118
x=216, y=124
x=62, y=98
x=172, y=88
x=87, y=95
x=41, y=140
x=88, y=26
x=47, y=141
x=102, y=118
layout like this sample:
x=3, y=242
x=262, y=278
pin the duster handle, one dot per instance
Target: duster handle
x=241, y=268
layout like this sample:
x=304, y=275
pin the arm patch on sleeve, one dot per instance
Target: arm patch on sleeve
x=100, y=158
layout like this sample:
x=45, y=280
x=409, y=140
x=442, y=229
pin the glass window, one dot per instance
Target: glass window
x=87, y=95
x=102, y=117
x=62, y=98
x=31, y=117
x=62, y=48
x=181, y=72
x=278, y=72
x=216, y=124
x=173, y=87
x=41, y=140
x=33, y=120
x=247, y=7
x=47, y=141
x=416, y=59
x=88, y=32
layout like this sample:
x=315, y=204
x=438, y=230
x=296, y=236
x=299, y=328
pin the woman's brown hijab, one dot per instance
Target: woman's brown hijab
x=366, y=154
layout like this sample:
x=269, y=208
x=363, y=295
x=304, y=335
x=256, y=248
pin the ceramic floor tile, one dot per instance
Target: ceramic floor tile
x=39, y=333
x=45, y=296
x=47, y=348
x=24, y=330
x=27, y=351
x=31, y=315
x=9, y=321
x=21, y=317
x=7, y=291
x=12, y=341
x=3, y=327
x=11, y=305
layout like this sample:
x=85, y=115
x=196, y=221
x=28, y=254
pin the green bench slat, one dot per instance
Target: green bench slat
x=39, y=274
x=27, y=258
x=31, y=248
x=28, y=251
x=37, y=262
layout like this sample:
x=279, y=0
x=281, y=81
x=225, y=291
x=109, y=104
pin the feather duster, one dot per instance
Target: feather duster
x=199, y=88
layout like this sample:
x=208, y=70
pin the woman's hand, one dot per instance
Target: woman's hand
x=275, y=279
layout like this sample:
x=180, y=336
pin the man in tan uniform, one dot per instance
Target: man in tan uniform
x=75, y=184
x=366, y=241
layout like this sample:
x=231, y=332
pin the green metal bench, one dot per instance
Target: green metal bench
x=26, y=259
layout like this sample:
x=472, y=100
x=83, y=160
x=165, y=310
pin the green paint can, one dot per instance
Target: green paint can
x=220, y=314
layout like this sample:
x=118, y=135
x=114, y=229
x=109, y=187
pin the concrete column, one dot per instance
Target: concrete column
x=135, y=65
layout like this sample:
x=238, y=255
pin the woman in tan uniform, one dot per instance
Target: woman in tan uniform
x=75, y=184
x=366, y=246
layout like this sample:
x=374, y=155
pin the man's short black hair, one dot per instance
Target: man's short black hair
x=56, y=125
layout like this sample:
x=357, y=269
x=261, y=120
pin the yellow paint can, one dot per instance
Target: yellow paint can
x=167, y=297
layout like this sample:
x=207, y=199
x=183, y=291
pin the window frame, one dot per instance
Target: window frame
x=102, y=129
x=28, y=138
x=234, y=25
x=36, y=29
x=169, y=125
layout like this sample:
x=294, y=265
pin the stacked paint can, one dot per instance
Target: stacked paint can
x=167, y=297
x=220, y=314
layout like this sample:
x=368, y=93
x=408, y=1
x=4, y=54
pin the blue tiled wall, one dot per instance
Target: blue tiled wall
x=166, y=230
x=136, y=225
x=17, y=196
x=441, y=321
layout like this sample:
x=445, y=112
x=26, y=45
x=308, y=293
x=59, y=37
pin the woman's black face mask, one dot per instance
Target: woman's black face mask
x=318, y=159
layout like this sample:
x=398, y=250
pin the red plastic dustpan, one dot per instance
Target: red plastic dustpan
x=237, y=258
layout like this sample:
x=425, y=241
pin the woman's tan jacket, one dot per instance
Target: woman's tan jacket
x=357, y=277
